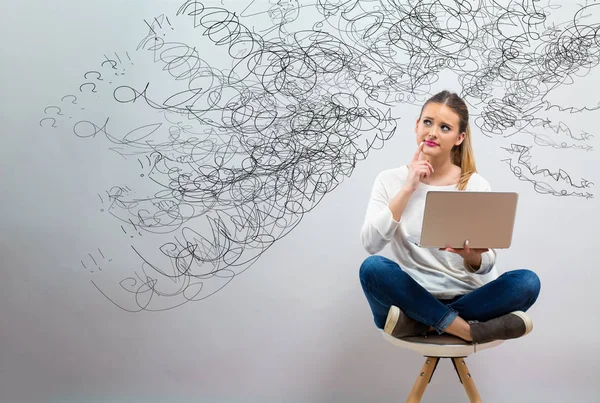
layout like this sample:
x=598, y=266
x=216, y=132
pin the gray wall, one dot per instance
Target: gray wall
x=293, y=326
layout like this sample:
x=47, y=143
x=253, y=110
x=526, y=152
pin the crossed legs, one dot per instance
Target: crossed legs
x=385, y=284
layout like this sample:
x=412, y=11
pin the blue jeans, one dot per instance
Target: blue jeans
x=385, y=283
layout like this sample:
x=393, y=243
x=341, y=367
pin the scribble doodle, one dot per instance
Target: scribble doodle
x=243, y=127
x=544, y=180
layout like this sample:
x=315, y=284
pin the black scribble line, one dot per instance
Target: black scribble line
x=92, y=257
x=102, y=254
x=254, y=120
x=83, y=264
x=123, y=229
x=112, y=62
x=118, y=58
x=540, y=177
x=151, y=29
x=547, y=141
x=115, y=149
x=141, y=279
x=144, y=289
x=242, y=14
x=141, y=219
x=140, y=292
x=571, y=109
x=560, y=128
x=556, y=137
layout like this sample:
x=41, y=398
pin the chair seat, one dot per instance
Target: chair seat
x=439, y=345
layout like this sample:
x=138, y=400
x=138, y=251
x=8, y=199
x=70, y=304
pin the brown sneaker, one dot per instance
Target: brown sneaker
x=510, y=326
x=398, y=324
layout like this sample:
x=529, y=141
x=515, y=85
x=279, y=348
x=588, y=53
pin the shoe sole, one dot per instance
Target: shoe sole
x=392, y=319
x=526, y=319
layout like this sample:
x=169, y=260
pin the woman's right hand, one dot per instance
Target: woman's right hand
x=419, y=168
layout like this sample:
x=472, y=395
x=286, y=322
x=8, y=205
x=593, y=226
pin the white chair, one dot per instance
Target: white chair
x=434, y=347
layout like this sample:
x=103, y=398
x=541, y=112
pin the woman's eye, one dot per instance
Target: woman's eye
x=445, y=128
x=427, y=122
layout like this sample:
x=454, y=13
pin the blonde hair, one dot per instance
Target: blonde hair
x=462, y=154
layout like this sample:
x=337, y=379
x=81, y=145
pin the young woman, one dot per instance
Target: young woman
x=423, y=289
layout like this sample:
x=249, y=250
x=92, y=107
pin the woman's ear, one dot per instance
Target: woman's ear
x=460, y=139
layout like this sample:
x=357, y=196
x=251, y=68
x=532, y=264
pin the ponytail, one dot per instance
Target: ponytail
x=464, y=157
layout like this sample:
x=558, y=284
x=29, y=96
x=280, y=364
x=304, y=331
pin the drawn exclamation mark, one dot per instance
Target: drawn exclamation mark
x=134, y=227
x=129, y=57
x=120, y=61
x=142, y=165
x=151, y=29
x=112, y=62
x=102, y=254
x=101, y=201
x=94, y=260
x=169, y=22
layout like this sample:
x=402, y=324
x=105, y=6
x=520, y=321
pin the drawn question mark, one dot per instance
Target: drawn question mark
x=53, y=122
x=55, y=107
x=83, y=85
x=73, y=101
x=93, y=72
x=112, y=63
x=92, y=84
x=52, y=119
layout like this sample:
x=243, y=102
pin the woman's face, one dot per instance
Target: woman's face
x=438, y=127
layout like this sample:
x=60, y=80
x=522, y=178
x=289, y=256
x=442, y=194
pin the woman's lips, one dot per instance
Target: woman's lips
x=430, y=143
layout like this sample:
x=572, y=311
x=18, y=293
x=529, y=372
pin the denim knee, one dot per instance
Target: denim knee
x=369, y=267
x=529, y=284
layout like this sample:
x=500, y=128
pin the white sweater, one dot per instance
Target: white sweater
x=443, y=274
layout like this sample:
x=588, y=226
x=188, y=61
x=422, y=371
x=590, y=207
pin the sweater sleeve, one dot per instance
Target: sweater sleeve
x=379, y=225
x=488, y=259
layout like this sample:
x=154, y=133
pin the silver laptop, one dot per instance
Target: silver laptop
x=486, y=219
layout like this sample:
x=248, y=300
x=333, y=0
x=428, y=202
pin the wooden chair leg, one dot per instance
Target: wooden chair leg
x=465, y=378
x=423, y=380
